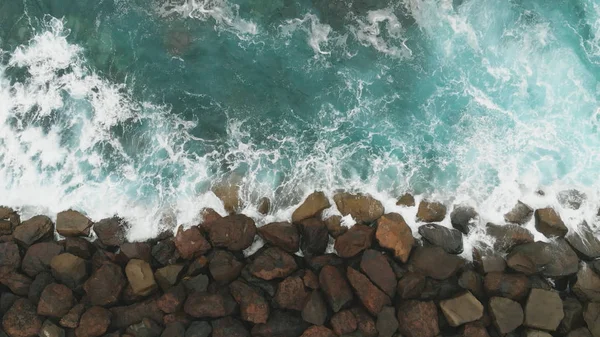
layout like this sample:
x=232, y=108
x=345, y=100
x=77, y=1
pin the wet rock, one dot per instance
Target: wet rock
x=581, y=332
x=50, y=329
x=198, y=329
x=372, y=298
x=35, y=229
x=125, y=316
x=172, y=300
x=6, y=228
x=56, y=301
x=264, y=206
x=38, y=257
x=334, y=226
x=234, y=232
x=520, y=214
x=168, y=276
x=315, y=309
x=79, y=247
x=140, y=277
x=21, y=320
x=315, y=237
x=431, y=211
x=591, y=315
x=176, y=329
x=449, y=239
x=208, y=215
x=272, y=263
x=585, y=241
x=411, y=286
x=387, y=324
x=228, y=192
x=354, y=241
x=463, y=218
x=366, y=324
x=363, y=208
x=72, y=223
x=549, y=223
x=571, y=198
x=94, y=322
x=111, y=231
x=344, y=322
x=145, y=328
x=71, y=319
x=587, y=286
x=435, y=262
x=318, y=331
x=105, y=285
x=253, y=306
x=136, y=250
x=310, y=279
x=9, y=256
x=198, y=283
x=69, y=269
x=204, y=305
x=462, y=309
x=406, y=200
x=190, y=243
x=165, y=252
x=547, y=259
x=281, y=234
x=229, y=327
x=544, y=310
x=280, y=324
x=9, y=215
x=573, y=316
x=418, y=319
x=17, y=283
x=507, y=314
x=312, y=206
x=38, y=285
x=393, y=233
x=377, y=268
x=291, y=294
x=224, y=267
x=513, y=286
x=335, y=287
x=508, y=236
x=493, y=263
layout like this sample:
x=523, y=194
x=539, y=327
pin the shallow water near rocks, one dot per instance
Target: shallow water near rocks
x=139, y=107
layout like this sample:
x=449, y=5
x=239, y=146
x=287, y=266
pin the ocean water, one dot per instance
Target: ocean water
x=139, y=107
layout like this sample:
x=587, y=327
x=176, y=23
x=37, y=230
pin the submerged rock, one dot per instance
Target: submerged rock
x=264, y=206
x=406, y=200
x=228, y=192
x=571, y=198
x=463, y=218
x=520, y=214
x=362, y=207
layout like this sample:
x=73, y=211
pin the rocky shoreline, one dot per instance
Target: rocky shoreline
x=380, y=281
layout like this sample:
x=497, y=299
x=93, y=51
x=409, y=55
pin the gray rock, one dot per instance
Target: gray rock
x=520, y=214
x=544, y=310
x=573, y=315
x=507, y=315
x=463, y=218
x=50, y=329
x=585, y=241
x=449, y=239
x=549, y=223
x=387, y=324
x=587, y=286
x=591, y=315
x=571, y=198
x=581, y=332
x=547, y=259
x=198, y=329
x=462, y=309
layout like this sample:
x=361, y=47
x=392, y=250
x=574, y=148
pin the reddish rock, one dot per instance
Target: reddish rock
x=21, y=320
x=136, y=250
x=343, y=322
x=168, y=276
x=234, y=232
x=363, y=208
x=79, y=247
x=508, y=236
x=228, y=192
x=94, y=322
x=224, y=267
x=318, y=262
x=9, y=255
x=336, y=288
x=507, y=314
x=37, y=228
x=435, y=262
x=377, y=268
x=72, y=223
x=69, y=269
x=203, y=305
x=513, y=286
x=105, y=285
x=474, y=330
x=190, y=243
x=411, y=286
x=334, y=226
x=318, y=331
x=208, y=215
x=462, y=309
x=354, y=241
x=315, y=237
x=38, y=257
x=372, y=298
x=520, y=214
x=418, y=319
x=310, y=279
x=393, y=233
x=172, y=300
x=312, y=206
x=315, y=309
x=366, y=324
x=406, y=200
x=387, y=324
x=228, y=327
x=280, y=324
x=140, y=277
x=124, y=316
x=449, y=239
x=291, y=294
x=71, y=319
x=17, y=283
x=544, y=310
x=281, y=234
x=431, y=211
x=253, y=306
x=111, y=231
x=178, y=317
x=272, y=263
x=549, y=223
x=56, y=301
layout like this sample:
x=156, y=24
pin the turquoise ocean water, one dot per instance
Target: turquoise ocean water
x=135, y=107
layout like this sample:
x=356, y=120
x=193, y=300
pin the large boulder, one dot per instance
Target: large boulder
x=363, y=208
x=315, y=309
x=168, y=276
x=315, y=237
x=378, y=269
x=73, y=223
x=234, y=232
x=272, y=263
x=281, y=234
x=224, y=267
x=69, y=269
x=387, y=323
x=205, y=305
x=394, y=234
x=418, y=319
x=94, y=322
x=191, y=243
x=553, y=259
x=591, y=315
x=549, y=223
x=229, y=193
x=587, y=286
x=507, y=314
x=56, y=301
x=336, y=288
x=520, y=214
x=111, y=231
x=37, y=228
x=371, y=297
x=462, y=309
x=435, y=262
x=291, y=294
x=431, y=211
x=463, y=218
x=508, y=236
x=544, y=310
x=354, y=241
x=105, y=285
x=10, y=256
x=344, y=322
x=513, y=286
x=21, y=320
x=312, y=206
x=253, y=306
x=585, y=241
x=140, y=277
x=449, y=239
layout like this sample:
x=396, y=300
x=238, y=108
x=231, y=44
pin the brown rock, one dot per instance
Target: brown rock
x=581, y=332
x=474, y=330
x=264, y=206
x=493, y=263
x=336, y=289
x=165, y=252
x=334, y=226
x=315, y=237
x=56, y=301
x=175, y=329
x=234, y=232
x=435, y=262
x=21, y=320
x=431, y=211
x=137, y=250
x=513, y=286
x=125, y=316
x=573, y=316
x=72, y=223
x=377, y=268
x=281, y=234
x=472, y=281
x=253, y=306
x=393, y=233
x=172, y=300
x=387, y=324
x=37, y=228
x=203, y=305
x=38, y=285
x=208, y=215
x=315, y=309
x=449, y=239
x=585, y=241
x=372, y=298
x=520, y=214
x=544, y=310
x=79, y=247
x=318, y=331
x=228, y=327
x=140, y=277
x=105, y=285
x=111, y=231
x=146, y=327
x=312, y=206
x=168, y=276
x=272, y=263
x=9, y=255
x=280, y=323
x=554, y=259
x=291, y=294
x=508, y=236
x=406, y=200
x=71, y=319
x=94, y=322
x=224, y=267
x=228, y=192
x=587, y=286
x=344, y=322
x=354, y=241
x=411, y=286
x=418, y=319
x=462, y=309
x=462, y=218
x=366, y=324
x=17, y=283
x=190, y=243
x=549, y=223
x=591, y=315
x=318, y=262
x=363, y=208
x=310, y=280
x=69, y=269
x=506, y=314
x=50, y=329
x=38, y=257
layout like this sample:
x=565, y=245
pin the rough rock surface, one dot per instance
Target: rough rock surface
x=544, y=310
x=73, y=223
x=435, y=262
x=587, y=286
x=418, y=319
x=234, y=232
x=362, y=207
x=272, y=263
x=507, y=314
x=336, y=288
x=315, y=237
x=520, y=214
x=449, y=239
x=462, y=309
x=549, y=223
x=377, y=268
x=312, y=206
x=463, y=217
x=585, y=241
x=281, y=234
x=32, y=230
x=431, y=211
x=354, y=241
x=393, y=233
x=371, y=297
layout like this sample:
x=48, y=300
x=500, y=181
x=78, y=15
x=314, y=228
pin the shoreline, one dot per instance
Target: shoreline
x=312, y=276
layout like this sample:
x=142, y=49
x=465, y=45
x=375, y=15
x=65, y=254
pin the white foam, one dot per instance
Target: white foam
x=371, y=33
